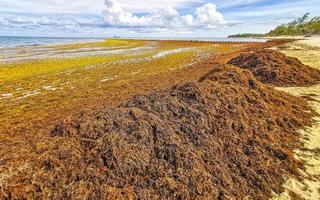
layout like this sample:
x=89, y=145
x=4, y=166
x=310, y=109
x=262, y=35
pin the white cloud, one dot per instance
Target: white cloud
x=207, y=14
x=59, y=22
x=236, y=3
x=87, y=6
x=19, y=20
x=205, y=17
x=142, y=6
x=121, y=16
x=187, y=20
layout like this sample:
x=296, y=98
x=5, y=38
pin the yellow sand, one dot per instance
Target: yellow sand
x=309, y=188
x=311, y=41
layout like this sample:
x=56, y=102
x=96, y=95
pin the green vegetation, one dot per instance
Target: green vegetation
x=301, y=26
x=246, y=35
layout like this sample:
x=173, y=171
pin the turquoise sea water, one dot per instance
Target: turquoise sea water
x=210, y=39
x=8, y=41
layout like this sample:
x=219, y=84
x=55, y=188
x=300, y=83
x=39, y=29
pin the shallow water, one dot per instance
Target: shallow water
x=11, y=42
x=208, y=39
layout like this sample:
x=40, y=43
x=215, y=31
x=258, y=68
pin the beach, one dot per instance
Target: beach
x=70, y=110
x=308, y=51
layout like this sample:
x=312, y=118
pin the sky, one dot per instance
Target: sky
x=147, y=18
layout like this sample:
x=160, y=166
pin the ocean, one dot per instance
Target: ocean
x=11, y=42
x=209, y=39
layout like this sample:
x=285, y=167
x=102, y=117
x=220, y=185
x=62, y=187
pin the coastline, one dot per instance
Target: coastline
x=12, y=42
x=113, y=88
x=53, y=41
x=307, y=50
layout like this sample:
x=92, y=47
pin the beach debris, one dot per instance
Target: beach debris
x=227, y=136
x=273, y=67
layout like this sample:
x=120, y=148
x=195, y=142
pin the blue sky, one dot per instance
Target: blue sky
x=147, y=18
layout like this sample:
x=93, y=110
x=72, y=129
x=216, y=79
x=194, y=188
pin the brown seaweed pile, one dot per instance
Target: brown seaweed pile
x=227, y=136
x=273, y=67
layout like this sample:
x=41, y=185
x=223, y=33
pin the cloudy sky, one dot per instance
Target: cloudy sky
x=147, y=18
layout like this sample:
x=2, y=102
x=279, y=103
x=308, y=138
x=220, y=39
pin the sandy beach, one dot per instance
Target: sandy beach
x=60, y=103
x=307, y=49
x=159, y=100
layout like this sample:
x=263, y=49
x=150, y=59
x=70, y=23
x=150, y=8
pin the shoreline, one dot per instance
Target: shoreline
x=308, y=51
x=313, y=40
x=143, y=85
x=92, y=48
x=48, y=41
x=81, y=40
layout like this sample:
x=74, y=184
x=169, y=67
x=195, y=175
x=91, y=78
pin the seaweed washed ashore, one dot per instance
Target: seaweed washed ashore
x=138, y=149
x=38, y=83
x=222, y=137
